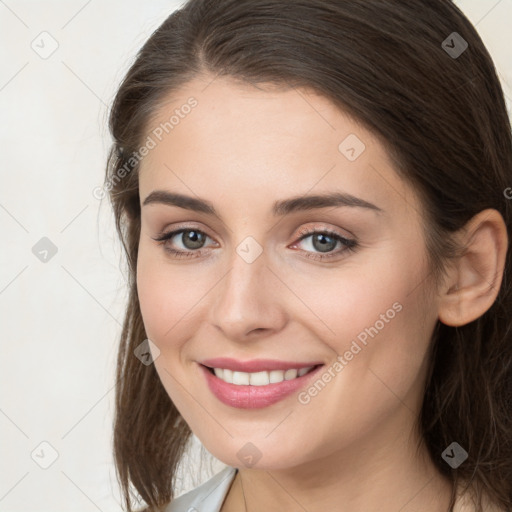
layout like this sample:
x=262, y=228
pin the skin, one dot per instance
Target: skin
x=352, y=447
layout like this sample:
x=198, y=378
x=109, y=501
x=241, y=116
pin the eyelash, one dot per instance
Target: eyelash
x=350, y=245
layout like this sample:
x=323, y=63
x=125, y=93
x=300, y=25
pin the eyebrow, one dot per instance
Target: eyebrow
x=279, y=208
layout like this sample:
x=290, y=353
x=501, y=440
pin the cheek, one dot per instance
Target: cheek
x=166, y=306
x=149, y=289
x=379, y=347
x=374, y=315
x=158, y=296
x=171, y=298
x=340, y=303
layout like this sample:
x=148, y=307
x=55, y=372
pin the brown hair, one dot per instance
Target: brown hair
x=444, y=122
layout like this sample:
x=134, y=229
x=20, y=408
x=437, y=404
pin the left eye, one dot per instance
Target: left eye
x=192, y=237
x=324, y=241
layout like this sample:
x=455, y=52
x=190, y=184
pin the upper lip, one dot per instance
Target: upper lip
x=255, y=365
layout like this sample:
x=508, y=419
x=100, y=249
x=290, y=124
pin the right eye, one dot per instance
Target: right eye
x=191, y=239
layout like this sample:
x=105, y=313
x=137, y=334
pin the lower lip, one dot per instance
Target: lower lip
x=254, y=397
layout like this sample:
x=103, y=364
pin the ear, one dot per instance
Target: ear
x=474, y=279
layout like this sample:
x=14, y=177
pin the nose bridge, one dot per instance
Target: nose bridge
x=245, y=299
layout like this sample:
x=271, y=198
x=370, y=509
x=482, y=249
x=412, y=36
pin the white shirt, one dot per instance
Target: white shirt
x=208, y=497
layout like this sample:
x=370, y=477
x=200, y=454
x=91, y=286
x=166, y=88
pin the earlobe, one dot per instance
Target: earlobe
x=475, y=278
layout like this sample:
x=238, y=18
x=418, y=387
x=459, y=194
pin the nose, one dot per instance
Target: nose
x=247, y=301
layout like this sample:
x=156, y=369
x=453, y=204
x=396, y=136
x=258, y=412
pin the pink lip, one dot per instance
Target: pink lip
x=255, y=365
x=253, y=397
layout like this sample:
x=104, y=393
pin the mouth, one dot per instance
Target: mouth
x=256, y=390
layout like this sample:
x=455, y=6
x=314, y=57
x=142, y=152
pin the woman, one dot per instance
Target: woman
x=312, y=196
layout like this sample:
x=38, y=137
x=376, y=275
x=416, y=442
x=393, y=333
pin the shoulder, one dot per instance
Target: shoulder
x=207, y=497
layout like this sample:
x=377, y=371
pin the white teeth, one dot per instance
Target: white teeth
x=241, y=378
x=228, y=376
x=276, y=376
x=290, y=374
x=259, y=378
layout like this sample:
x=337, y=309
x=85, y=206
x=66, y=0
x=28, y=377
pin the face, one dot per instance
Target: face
x=339, y=284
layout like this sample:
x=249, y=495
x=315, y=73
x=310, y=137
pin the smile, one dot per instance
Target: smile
x=255, y=390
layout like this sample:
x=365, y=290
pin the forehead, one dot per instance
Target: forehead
x=219, y=138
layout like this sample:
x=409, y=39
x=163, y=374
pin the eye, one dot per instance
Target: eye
x=191, y=239
x=325, y=241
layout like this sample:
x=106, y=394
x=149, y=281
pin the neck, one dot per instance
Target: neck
x=384, y=472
